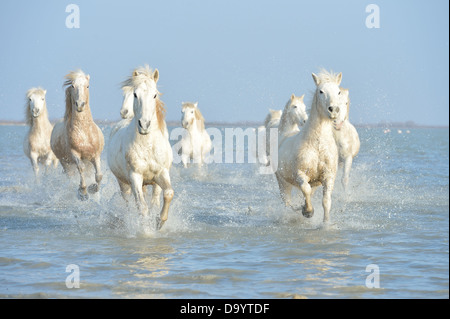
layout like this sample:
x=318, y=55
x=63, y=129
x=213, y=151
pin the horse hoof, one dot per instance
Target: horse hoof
x=307, y=214
x=83, y=197
x=93, y=188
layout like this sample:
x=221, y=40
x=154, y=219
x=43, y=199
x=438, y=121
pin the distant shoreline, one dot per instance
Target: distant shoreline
x=409, y=125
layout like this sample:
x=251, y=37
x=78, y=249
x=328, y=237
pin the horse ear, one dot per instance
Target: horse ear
x=302, y=97
x=155, y=75
x=292, y=96
x=45, y=92
x=339, y=78
x=196, y=104
x=315, y=78
x=135, y=73
x=88, y=77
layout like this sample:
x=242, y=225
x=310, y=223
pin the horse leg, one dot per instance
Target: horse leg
x=136, y=187
x=185, y=159
x=82, y=193
x=156, y=194
x=328, y=185
x=285, y=190
x=94, y=188
x=125, y=190
x=34, y=157
x=347, y=167
x=163, y=181
x=303, y=181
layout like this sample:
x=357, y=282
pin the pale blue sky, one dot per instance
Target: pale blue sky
x=236, y=58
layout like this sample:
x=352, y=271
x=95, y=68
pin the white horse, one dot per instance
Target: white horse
x=293, y=117
x=272, y=120
x=196, y=142
x=139, y=153
x=36, y=144
x=126, y=112
x=77, y=140
x=346, y=137
x=310, y=158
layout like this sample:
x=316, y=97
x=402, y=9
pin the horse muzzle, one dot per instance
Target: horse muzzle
x=143, y=127
x=125, y=114
x=333, y=112
x=80, y=106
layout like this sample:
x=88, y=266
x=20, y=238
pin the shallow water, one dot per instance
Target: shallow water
x=228, y=233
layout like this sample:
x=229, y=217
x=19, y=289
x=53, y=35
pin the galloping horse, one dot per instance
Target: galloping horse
x=139, y=152
x=36, y=144
x=77, y=140
x=310, y=158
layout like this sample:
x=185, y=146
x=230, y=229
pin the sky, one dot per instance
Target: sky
x=236, y=58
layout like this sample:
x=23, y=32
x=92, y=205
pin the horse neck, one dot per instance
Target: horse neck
x=286, y=123
x=317, y=126
x=39, y=122
x=81, y=118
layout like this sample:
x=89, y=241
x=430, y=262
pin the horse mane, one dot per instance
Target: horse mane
x=284, y=116
x=328, y=76
x=346, y=92
x=30, y=92
x=144, y=75
x=127, y=89
x=70, y=78
x=269, y=120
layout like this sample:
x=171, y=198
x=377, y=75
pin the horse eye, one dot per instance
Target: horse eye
x=295, y=106
x=135, y=96
x=339, y=93
x=155, y=96
x=42, y=99
x=321, y=92
x=88, y=86
x=73, y=86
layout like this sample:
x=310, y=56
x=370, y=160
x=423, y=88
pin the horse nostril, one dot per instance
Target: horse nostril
x=337, y=109
x=330, y=109
x=144, y=124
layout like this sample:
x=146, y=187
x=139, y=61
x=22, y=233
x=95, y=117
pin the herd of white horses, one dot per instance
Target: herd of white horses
x=139, y=153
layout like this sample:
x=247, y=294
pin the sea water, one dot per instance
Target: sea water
x=229, y=234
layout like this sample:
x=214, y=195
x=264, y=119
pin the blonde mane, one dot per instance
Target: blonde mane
x=144, y=75
x=328, y=76
x=346, y=92
x=30, y=92
x=70, y=78
x=272, y=118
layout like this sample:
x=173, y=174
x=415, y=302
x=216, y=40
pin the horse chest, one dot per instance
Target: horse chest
x=141, y=159
x=84, y=142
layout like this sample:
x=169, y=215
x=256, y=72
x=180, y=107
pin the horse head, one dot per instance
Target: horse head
x=35, y=102
x=327, y=97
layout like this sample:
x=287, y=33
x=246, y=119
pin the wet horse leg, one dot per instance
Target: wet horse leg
x=137, y=189
x=163, y=181
x=328, y=185
x=82, y=193
x=285, y=190
x=95, y=187
x=303, y=181
x=34, y=157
